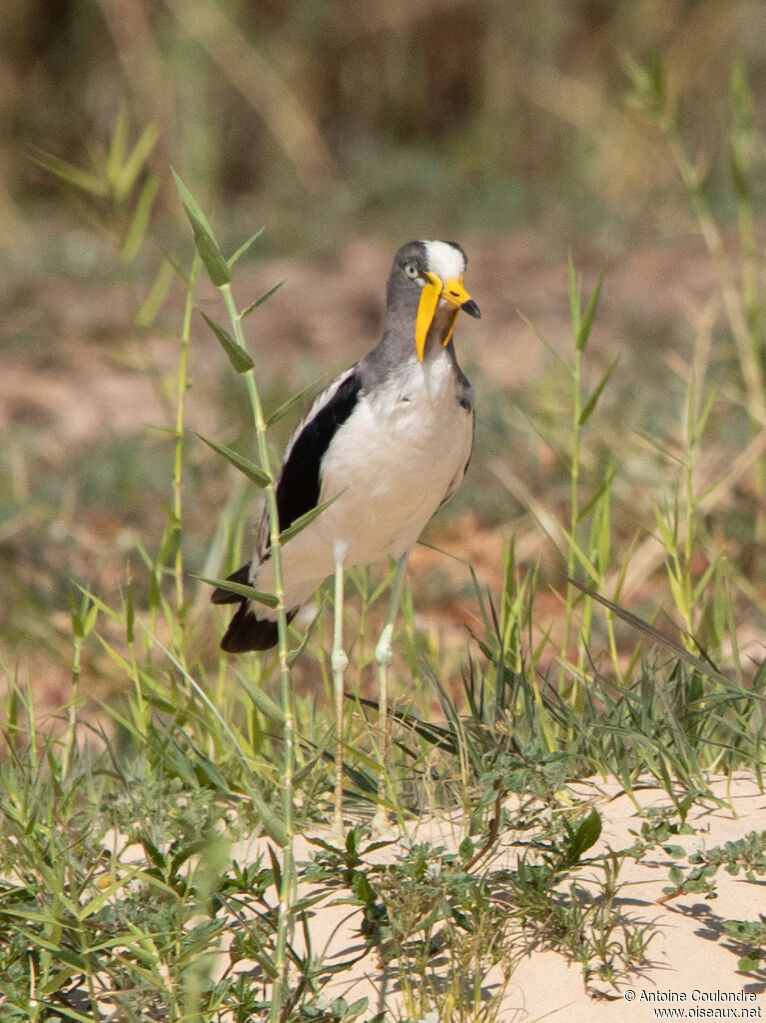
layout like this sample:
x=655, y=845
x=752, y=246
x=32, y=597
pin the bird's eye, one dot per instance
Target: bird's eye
x=411, y=270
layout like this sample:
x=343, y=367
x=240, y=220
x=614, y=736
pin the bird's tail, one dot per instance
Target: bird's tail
x=246, y=630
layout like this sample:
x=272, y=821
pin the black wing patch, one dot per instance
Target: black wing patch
x=300, y=482
x=297, y=492
x=248, y=632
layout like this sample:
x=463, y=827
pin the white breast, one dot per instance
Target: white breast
x=400, y=453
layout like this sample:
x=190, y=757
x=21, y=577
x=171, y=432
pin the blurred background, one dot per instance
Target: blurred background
x=324, y=120
x=345, y=128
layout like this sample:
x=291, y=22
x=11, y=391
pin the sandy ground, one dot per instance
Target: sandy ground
x=693, y=963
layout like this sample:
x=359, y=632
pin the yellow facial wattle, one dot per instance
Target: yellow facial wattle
x=429, y=299
x=452, y=291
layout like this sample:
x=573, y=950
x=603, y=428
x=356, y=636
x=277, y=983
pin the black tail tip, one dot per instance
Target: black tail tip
x=248, y=632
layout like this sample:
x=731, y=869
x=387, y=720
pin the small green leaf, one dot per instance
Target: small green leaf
x=362, y=889
x=272, y=824
x=676, y=876
x=304, y=520
x=357, y=1008
x=263, y=702
x=466, y=849
x=587, y=834
x=676, y=851
x=590, y=404
x=249, y=592
x=74, y=614
x=250, y=469
x=261, y=300
x=244, y=247
x=171, y=538
x=237, y=355
x=749, y=963
x=286, y=406
x=136, y=160
x=207, y=246
x=90, y=619
x=583, y=331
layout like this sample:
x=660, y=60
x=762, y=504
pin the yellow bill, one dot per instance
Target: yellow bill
x=429, y=299
x=435, y=289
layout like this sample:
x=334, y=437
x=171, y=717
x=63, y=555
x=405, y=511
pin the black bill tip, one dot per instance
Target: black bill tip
x=471, y=308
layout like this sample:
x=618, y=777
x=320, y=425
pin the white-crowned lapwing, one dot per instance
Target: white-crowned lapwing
x=390, y=439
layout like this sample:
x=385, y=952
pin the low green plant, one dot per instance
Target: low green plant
x=751, y=934
x=746, y=855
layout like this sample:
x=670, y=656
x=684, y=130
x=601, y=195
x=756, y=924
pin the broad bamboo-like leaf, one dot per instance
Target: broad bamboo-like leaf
x=304, y=520
x=268, y=707
x=250, y=469
x=207, y=246
x=286, y=406
x=242, y=590
x=237, y=355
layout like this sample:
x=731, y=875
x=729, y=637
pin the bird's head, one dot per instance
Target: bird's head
x=427, y=277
